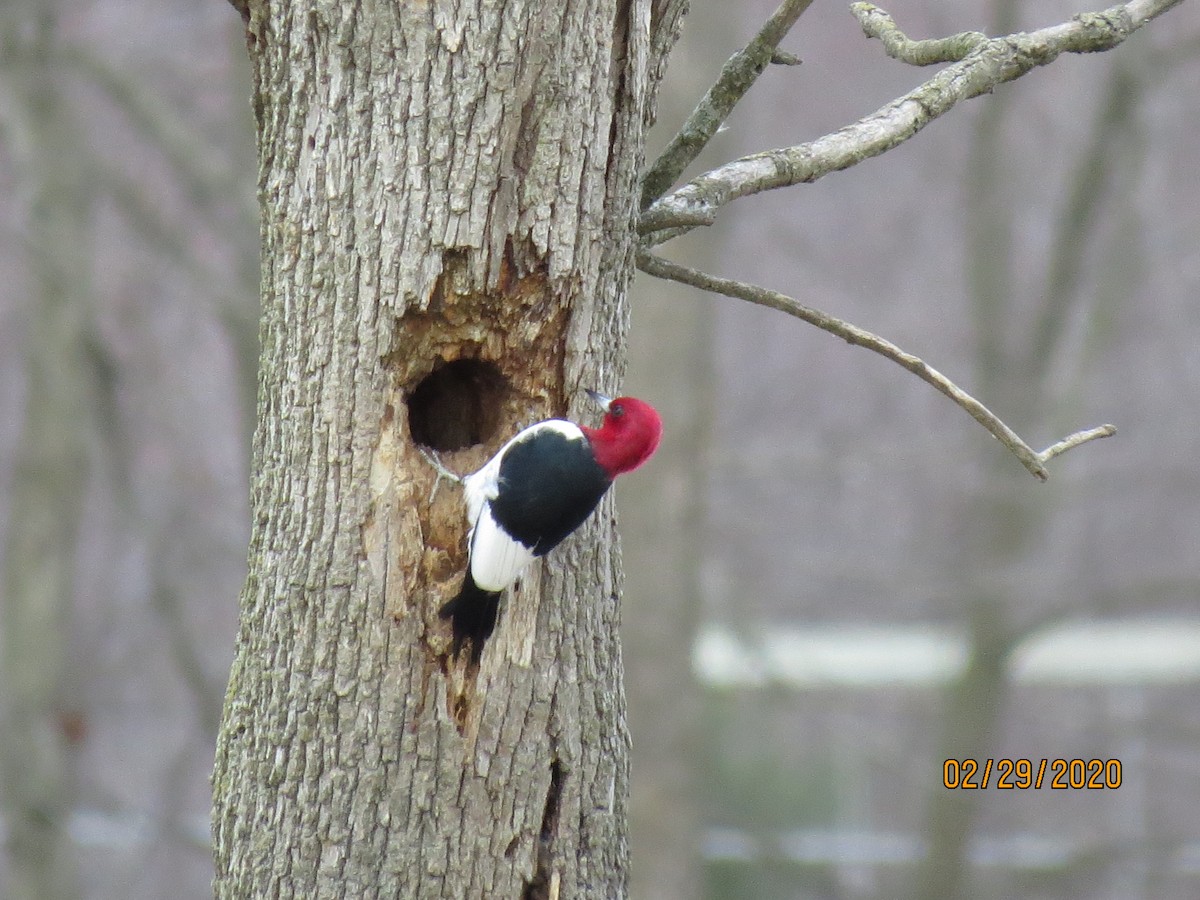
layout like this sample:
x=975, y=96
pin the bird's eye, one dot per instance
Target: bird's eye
x=617, y=410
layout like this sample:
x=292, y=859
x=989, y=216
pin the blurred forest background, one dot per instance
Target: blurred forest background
x=835, y=579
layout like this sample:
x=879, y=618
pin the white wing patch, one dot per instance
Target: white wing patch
x=496, y=559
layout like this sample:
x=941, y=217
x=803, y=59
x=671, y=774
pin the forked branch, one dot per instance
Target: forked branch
x=737, y=77
x=983, y=64
x=1031, y=459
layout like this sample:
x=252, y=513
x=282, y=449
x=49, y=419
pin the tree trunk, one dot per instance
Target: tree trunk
x=448, y=199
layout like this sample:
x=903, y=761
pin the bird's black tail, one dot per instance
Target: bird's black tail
x=472, y=616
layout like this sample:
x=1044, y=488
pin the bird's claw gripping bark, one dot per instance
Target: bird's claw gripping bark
x=442, y=472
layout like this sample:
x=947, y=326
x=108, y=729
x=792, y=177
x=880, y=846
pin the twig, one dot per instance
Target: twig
x=878, y=24
x=1070, y=442
x=991, y=63
x=737, y=76
x=852, y=334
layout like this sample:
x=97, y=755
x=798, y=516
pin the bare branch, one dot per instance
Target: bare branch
x=852, y=334
x=992, y=62
x=737, y=76
x=878, y=24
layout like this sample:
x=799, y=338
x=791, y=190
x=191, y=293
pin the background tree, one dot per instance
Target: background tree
x=111, y=200
x=50, y=464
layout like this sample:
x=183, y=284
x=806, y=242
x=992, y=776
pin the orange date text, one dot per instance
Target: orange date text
x=1023, y=774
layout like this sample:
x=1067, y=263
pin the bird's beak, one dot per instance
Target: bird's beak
x=599, y=398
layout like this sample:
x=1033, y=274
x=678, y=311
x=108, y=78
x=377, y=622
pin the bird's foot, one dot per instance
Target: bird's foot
x=442, y=472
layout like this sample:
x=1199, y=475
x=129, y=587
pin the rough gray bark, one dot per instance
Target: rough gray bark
x=446, y=192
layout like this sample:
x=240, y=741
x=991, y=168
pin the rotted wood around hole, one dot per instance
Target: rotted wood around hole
x=468, y=371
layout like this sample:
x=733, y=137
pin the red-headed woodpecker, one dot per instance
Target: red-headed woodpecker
x=534, y=492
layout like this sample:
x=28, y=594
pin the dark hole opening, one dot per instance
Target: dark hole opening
x=457, y=405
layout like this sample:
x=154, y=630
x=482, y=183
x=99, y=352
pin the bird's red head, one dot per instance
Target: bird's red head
x=628, y=436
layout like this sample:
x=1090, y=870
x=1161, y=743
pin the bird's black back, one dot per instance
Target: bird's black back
x=549, y=484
